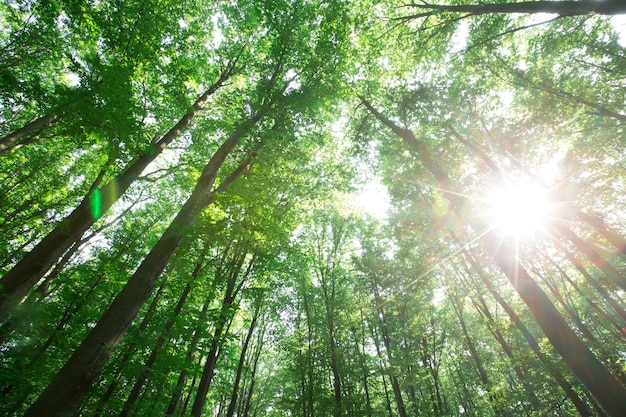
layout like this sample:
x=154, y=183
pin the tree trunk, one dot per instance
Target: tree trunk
x=601, y=383
x=7, y=143
x=581, y=407
x=482, y=373
x=242, y=359
x=66, y=391
x=395, y=385
x=27, y=272
x=223, y=323
x=123, y=361
x=147, y=368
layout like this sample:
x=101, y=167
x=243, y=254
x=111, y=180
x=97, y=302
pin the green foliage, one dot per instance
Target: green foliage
x=356, y=316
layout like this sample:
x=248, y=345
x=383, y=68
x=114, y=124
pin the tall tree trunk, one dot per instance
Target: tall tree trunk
x=482, y=373
x=223, y=323
x=601, y=383
x=242, y=359
x=66, y=391
x=583, y=295
x=382, y=368
x=164, y=337
x=395, y=385
x=481, y=307
x=27, y=272
x=123, y=361
x=249, y=392
x=182, y=377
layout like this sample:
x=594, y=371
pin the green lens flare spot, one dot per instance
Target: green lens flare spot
x=95, y=204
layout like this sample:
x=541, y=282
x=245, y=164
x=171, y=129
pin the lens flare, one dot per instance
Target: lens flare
x=95, y=203
x=518, y=209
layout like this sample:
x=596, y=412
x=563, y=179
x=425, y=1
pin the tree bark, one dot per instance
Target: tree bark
x=66, y=391
x=581, y=407
x=141, y=380
x=223, y=323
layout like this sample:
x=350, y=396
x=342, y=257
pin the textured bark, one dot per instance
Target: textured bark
x=597, y=378
x=123, y=361
x=29, y=270
x=66, y=391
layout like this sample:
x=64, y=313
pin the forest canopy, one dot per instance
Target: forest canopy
x=312, y=208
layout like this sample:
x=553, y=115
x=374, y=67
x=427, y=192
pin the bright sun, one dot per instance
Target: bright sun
x=518, y=209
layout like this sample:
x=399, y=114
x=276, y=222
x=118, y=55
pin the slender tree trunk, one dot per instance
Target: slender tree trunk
x=247, y=402
x=242, y=359
x=27, y=272
x=123, y=361
x=395, y=385
x=597, y=224
x=482, y=373
x=66, y=391
x=583, y=295
x=481, y=307
x=223, y=323
x=601, y=289
x=601, y=383
x=147, y=368
x=382, y=369
x=329, y=300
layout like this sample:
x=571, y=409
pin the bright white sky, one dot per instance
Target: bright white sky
x=374, y=199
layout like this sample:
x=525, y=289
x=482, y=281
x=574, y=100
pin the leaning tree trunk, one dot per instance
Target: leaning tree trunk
x=163, y=337
x=68, y=388
x=27, y=272
x=584, y=364
x=7, y=143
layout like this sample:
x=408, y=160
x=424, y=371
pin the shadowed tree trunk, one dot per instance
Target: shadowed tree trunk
x=242, y=360
x=164, y=337
x=580, y=405
x=7, y=143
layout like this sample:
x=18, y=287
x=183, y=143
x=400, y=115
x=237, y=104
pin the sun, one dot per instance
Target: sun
x=518, y=209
